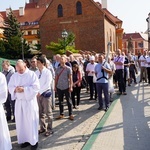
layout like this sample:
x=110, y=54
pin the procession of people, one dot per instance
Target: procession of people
x=28, y=92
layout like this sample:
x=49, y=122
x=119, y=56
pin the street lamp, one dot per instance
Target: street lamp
x=22, y=48
x=64, y=35
x=148, y=30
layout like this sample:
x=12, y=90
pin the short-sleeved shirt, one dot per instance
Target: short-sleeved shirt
x=90, y=67
x=119, y=59
x=98, y=70
x=63, y=81
x=143, y=61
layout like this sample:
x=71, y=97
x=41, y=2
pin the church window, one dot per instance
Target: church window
x=78, y=8
x=60, y=10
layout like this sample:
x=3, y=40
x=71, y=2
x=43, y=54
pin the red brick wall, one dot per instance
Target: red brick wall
x=88, y=27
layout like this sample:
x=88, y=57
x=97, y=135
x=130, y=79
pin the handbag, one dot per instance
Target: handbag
x=47, y=94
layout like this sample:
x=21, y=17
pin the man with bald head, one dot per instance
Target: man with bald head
x=24, y=87
x=119, y=63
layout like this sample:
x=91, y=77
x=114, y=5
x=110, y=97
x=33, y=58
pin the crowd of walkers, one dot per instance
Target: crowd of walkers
x=28, y=91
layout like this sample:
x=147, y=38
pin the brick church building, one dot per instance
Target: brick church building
x=93, y=25
x=91, y=22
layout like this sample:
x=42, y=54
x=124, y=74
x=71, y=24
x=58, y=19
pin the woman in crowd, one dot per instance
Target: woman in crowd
x=77, y=78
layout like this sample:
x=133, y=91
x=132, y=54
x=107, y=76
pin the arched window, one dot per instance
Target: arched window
x=78, y=8
x=60, y=10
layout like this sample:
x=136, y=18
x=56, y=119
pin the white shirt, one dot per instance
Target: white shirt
x=143, y=61
x=45, y=79
x=91, y=67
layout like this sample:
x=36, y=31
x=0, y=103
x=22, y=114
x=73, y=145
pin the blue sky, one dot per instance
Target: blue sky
x=133, y=13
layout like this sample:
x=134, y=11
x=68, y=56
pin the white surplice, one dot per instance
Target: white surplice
x=5, y=142
x=26, y=106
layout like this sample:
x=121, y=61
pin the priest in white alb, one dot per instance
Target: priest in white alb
x=5, y=142
x=23, y=87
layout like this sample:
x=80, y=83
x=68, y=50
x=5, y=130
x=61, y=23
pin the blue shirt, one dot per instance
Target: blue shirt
x=98, y=70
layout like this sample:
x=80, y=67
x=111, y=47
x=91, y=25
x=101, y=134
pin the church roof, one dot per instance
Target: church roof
x=30, y=18
x=135, y=36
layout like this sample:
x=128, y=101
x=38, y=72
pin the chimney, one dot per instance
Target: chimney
x=104, y=4
x=7, y=11
x=21, y=11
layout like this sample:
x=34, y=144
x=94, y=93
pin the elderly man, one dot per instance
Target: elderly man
x=8, y=71
x=24, y=87
x=90, y=69
x=119, y=62
x=5, y=142
x=102, y=70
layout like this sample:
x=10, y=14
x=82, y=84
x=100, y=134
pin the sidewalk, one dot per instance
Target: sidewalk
x=126, y=125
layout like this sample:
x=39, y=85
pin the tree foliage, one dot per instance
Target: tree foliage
x=12, y=44
x=62, y=45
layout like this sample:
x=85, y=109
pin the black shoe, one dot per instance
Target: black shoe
x=26, y=144
x=124, y=93
x=34, y=147
x=111, y=99
x=90, y=98
x=106, y=108
x=100, y=108
x=8, y=118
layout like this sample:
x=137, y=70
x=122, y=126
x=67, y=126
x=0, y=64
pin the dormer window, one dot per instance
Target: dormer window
x=60, y=10
x=78, y=8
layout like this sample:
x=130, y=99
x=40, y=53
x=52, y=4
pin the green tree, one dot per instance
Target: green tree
x=62, y=45
x=13, y=38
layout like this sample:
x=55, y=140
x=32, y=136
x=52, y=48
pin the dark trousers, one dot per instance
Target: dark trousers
x=132, y=76
x=92, y=87
x=125, y=76
x=148, y=74
x=9, y=106
x=67, y=94
x=76, y=92
x=103, y=87
x=120, y=79
x=87, y=85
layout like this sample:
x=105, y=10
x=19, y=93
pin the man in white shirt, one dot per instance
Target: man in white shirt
x=5, y=142
x=23, y=87
x=143, y=66
x=90, y=69
x=44, y=101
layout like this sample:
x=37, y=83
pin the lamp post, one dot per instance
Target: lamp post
x=148, y=30
x=22, y=48
x=64, y=35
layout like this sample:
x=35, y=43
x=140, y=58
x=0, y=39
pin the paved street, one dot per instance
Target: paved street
x=68, y=135
x=125, y=126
